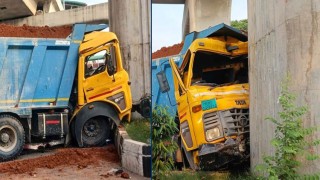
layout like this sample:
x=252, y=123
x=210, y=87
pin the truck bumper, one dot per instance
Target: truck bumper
x=216, y=156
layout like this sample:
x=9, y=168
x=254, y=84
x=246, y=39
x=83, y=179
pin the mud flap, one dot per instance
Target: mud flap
x=189, y=158
x=91, y=110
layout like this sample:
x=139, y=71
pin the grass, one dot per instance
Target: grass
x=139, y=130
x=188, y=174
x=195, y=175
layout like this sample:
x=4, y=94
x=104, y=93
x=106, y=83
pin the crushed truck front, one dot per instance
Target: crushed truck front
x=212, y=94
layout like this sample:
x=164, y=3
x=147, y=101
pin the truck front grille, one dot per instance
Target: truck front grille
x=211, y=120
x=230, y=122
x=235, y=121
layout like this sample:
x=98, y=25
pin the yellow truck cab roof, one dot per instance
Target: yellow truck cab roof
x=96, y=39
x=219, y=45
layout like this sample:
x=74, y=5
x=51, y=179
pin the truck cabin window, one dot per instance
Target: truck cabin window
x=99, y=62
x=211, y=69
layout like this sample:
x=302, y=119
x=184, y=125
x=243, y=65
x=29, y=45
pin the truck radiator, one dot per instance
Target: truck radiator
x=235, y=121
x=232, y=121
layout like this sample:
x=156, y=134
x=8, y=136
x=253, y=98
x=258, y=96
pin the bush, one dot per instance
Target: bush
x=163, y=146
x=290, y=140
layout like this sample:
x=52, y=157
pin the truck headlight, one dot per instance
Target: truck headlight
x=212, y=134
x=119, y=99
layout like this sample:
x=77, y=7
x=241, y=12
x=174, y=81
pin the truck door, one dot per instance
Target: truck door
x=101, y=76
x=186, y=125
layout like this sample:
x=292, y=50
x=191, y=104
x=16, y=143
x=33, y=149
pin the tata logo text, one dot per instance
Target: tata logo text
x=240, y=102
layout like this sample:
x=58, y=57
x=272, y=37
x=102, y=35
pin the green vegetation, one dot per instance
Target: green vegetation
x=139, y=130
x=200, y=175
x=241, y=24
x=290, y=140
x=163, y=146
x=193, y=175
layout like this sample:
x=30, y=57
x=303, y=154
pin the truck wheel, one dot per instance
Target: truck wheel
x=117, y=141
x=12, y=137
x=95, y=131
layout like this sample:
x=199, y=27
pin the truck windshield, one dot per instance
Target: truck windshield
x=211, y=69
x=95, y=63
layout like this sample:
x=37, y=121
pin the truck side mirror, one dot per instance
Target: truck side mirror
x=111, y=62
x=163, y=82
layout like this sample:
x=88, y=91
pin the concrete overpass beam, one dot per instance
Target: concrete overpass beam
x=201, y=14
x=16, y=8
x=89, y=14
x=130, y=20
x=30, y=4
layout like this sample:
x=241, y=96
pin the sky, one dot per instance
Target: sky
x=167, y=21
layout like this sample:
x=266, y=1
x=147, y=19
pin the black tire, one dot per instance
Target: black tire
x=73, y=133
x=12, y=137
x=117, y=141
x=95, y=131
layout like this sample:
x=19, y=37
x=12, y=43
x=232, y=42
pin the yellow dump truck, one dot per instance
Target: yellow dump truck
x=54, y=90
x=212, y=98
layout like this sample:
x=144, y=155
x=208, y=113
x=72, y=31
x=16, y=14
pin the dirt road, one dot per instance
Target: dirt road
x=67, y=163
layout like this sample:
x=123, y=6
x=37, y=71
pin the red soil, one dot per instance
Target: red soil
x=168, y=51
x=35, y=32
x=63, y=157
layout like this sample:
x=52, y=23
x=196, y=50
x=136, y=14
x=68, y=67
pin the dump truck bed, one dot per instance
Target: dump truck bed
x=39, y=73
x=36, y=72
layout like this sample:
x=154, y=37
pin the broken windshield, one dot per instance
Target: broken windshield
x=211, y=69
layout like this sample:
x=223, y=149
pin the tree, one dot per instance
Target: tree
x=240, y=24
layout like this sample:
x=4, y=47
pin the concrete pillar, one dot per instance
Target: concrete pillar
x=52, y=6
x=130, y=20
x=201, y=14
x=284, y=36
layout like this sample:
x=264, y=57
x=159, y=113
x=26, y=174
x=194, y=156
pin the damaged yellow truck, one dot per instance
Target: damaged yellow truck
x=57, y=90
x=212, y=95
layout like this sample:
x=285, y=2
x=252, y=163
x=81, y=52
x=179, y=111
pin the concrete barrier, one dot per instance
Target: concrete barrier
x=135, y=156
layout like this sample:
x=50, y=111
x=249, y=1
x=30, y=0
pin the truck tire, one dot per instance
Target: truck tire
x=95, y=131
x=117, y=142
x=12, y=137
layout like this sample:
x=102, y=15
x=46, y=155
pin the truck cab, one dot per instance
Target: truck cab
x=212, y=95
x=102, y=84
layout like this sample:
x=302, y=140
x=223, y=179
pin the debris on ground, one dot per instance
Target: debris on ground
x=168, y=51
x=125, y=175
x=34, y=31
x=106, y=175
x=33, y=174
x=116, y=172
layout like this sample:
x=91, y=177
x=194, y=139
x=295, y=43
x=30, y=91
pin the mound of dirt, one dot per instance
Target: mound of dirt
x=34, y=32
x=62, y=157
x=168, y=51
